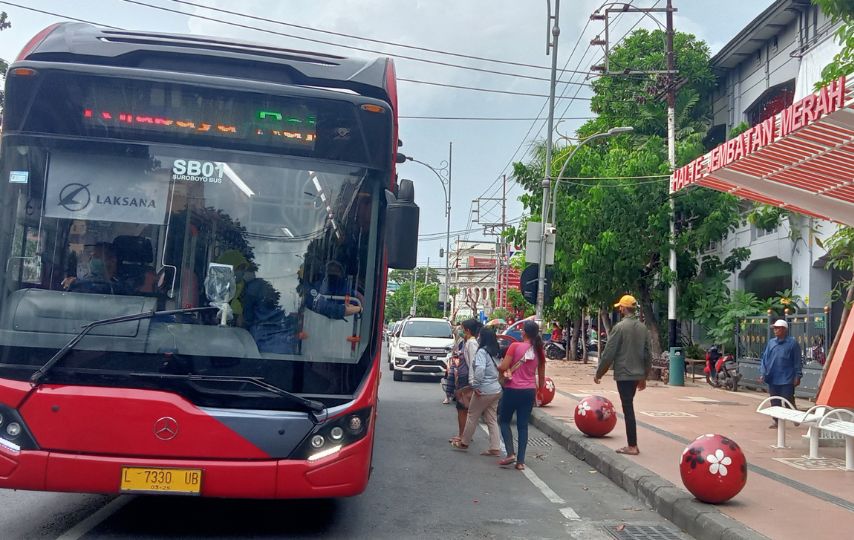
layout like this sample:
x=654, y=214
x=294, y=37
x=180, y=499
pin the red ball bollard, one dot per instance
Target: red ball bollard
x=713, y=468
x=595, y=416
x=546, y=394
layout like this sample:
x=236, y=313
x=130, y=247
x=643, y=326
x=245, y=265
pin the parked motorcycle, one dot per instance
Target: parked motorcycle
x=555, y=350
x=726, y=374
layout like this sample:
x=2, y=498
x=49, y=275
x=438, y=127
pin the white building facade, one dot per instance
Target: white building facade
x=773, y=61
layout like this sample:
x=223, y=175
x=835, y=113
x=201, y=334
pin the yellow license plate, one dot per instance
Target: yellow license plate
x=161, y=480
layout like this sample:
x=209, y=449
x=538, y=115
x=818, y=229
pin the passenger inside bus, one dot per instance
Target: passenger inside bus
x=110, y=273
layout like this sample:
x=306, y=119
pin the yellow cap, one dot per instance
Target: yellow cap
x=627, y=301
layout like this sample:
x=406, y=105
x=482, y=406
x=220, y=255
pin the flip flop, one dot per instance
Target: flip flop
x=507, y=461
x=454, y=439
x=625, y=450
x=491, y=453
x=458, y=445
x=520, y=466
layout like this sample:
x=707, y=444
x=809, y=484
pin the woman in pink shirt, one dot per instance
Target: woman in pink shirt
x=520, y=390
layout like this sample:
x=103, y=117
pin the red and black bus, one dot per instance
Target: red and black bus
x=194, y=236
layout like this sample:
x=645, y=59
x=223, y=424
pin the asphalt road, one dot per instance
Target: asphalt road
x=420, y=488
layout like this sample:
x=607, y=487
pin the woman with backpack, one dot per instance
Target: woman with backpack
x=487, y=391
x=524, y=371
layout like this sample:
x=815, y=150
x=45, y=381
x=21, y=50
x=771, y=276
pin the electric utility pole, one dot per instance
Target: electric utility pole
x=551, y=48
x=671, y=156
x=669, y=84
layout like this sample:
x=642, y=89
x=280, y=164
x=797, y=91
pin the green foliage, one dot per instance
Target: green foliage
x=398, y=303
x=613, y=234
x=518, y=303
x=841, y=11
x=501, y=313
x=721, y=325
x=5, y=24
x=840, y=250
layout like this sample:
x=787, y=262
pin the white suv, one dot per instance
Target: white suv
x=421, y=347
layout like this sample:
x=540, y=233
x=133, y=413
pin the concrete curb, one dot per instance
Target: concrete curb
x=700, y=520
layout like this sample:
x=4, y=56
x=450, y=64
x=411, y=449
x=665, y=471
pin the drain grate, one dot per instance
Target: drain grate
x=644, y=532
x=539, y=441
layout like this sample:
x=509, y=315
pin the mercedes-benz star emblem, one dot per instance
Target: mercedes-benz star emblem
x=166, y=428
x=75, y=197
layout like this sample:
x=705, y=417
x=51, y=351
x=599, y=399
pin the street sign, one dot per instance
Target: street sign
x=533, y=241
x=528, y=283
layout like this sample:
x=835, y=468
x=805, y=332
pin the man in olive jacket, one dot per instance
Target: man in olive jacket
x=629, y=350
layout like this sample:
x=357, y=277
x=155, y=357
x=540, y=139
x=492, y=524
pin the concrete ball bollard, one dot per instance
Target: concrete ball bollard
x=546, y=394
x=595, y=416
x=713, y=468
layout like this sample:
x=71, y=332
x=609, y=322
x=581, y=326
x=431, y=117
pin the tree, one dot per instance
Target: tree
x=5, y=24
x=613, y=233
x=839, y=11
x=398, y=303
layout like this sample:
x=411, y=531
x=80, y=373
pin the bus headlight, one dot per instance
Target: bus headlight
x=14, y=430
x=330, y=437
x=317, y=441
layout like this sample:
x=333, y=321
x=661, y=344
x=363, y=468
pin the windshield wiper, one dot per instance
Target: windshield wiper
x=314, y=406
x=36, y=378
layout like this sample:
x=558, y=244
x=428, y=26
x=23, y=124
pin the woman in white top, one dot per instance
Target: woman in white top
x=487, y=391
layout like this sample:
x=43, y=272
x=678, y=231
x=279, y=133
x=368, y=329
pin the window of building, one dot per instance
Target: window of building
x=771, y=102
x=759, y=232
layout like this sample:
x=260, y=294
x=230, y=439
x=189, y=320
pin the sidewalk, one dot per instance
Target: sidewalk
x=786, y=496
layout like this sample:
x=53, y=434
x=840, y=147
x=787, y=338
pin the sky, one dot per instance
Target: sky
x=510, y=31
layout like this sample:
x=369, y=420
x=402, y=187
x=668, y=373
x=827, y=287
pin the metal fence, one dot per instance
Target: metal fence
x=810, y=331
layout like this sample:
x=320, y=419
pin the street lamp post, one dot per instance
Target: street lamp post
x=545, y=232
x=444, y=179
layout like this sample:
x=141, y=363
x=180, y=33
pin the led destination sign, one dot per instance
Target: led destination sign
x=176, y=110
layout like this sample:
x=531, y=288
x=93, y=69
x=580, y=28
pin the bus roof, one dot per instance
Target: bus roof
x=81, y=43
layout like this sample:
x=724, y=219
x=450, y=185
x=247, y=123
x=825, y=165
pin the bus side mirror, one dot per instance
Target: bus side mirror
x=402, y=215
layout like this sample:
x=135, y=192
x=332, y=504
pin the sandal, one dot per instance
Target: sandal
x=627, y=451
x=509, y=460
x=520, y=466
x=491, y=453
x=458, y=445
x=454, y=439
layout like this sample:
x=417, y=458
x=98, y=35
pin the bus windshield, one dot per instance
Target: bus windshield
x=285, y=247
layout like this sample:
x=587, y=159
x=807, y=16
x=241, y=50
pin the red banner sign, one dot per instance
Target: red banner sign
x=799, y=114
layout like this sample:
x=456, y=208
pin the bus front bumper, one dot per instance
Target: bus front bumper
x=342, y=474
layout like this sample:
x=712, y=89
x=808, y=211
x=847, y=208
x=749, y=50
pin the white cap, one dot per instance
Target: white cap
x=781, y=323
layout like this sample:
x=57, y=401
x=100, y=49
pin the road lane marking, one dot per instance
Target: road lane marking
x=83, y=528
x=547, y=492
x=570, y=514
x=544, y=489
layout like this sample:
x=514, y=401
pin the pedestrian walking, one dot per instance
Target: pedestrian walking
x=487, y=391
x=470, y=330
x=780, y=366
x=525, y=363
x=629, y=351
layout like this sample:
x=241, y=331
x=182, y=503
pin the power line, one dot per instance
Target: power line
x=446, y=85
x=363, y=38
x=52, y=14
x=485, y=118
x=539, y=115
x=589, y=48
x=323, y=42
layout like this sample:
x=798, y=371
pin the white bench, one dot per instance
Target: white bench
x=835, y=423
x=788, y=413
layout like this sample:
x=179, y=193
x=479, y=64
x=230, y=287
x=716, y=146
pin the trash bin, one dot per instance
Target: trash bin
x=677, y=367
